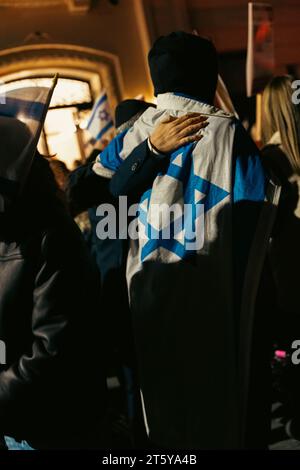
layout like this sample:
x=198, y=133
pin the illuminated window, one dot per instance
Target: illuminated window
x=67, y=91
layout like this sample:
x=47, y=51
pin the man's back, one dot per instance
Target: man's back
x=194, y=263
x=173, y=281
x=182, y=274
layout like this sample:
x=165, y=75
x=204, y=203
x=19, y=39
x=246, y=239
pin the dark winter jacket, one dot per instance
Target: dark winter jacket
x=52, y=387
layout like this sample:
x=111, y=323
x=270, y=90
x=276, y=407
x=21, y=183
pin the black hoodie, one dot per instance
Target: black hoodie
x=52, y=388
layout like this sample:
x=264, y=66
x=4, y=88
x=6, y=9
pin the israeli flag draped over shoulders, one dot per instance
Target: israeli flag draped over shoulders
x=223, y=168
x=100, y=121
x=186, y=276
x=22, y=115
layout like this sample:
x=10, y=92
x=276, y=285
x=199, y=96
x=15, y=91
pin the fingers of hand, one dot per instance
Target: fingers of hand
x=191, y=138
x=189, y=130
x=167, y=119
x=188, y=122
x=185, y=117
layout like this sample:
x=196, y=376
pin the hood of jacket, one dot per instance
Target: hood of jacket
x=15, y=159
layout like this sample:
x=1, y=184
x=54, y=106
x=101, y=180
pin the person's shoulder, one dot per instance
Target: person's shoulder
x=82, y=170
x=237, y=125
x=243, y=141
x=223, y=120
x=276, y=162
x=61, y=236
x=272, y=150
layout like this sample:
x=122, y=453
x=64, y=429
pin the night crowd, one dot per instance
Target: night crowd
x=144, y=343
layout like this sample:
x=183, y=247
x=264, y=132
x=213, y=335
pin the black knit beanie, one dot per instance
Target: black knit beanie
x=184, y=63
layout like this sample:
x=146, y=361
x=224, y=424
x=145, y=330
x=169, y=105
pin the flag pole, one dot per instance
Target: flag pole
x=33, y=144
x=49, y=97
x=258, y=117
x=46, y=107
x=54, y=80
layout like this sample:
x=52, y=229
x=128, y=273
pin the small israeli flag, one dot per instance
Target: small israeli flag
x=28, y=105
x=22, y=118
x=100, y=120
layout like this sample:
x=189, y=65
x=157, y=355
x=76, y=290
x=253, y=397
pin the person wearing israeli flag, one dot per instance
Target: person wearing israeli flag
x=52, y=386
x=87, y=189
x=193, y=292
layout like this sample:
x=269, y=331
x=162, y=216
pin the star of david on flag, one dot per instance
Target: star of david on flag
x=100, y=120
x=182, y=234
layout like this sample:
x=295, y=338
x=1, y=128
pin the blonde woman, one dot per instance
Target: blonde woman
x=281, y=155
x=281, y=126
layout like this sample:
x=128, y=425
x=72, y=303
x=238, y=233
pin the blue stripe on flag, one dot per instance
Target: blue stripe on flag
x=104, y=130
x=110, y=157
x=250, y=180
x=31, y=110
x=96, y=107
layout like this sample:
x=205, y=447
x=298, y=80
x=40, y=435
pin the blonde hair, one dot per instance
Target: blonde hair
x=280, y=114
